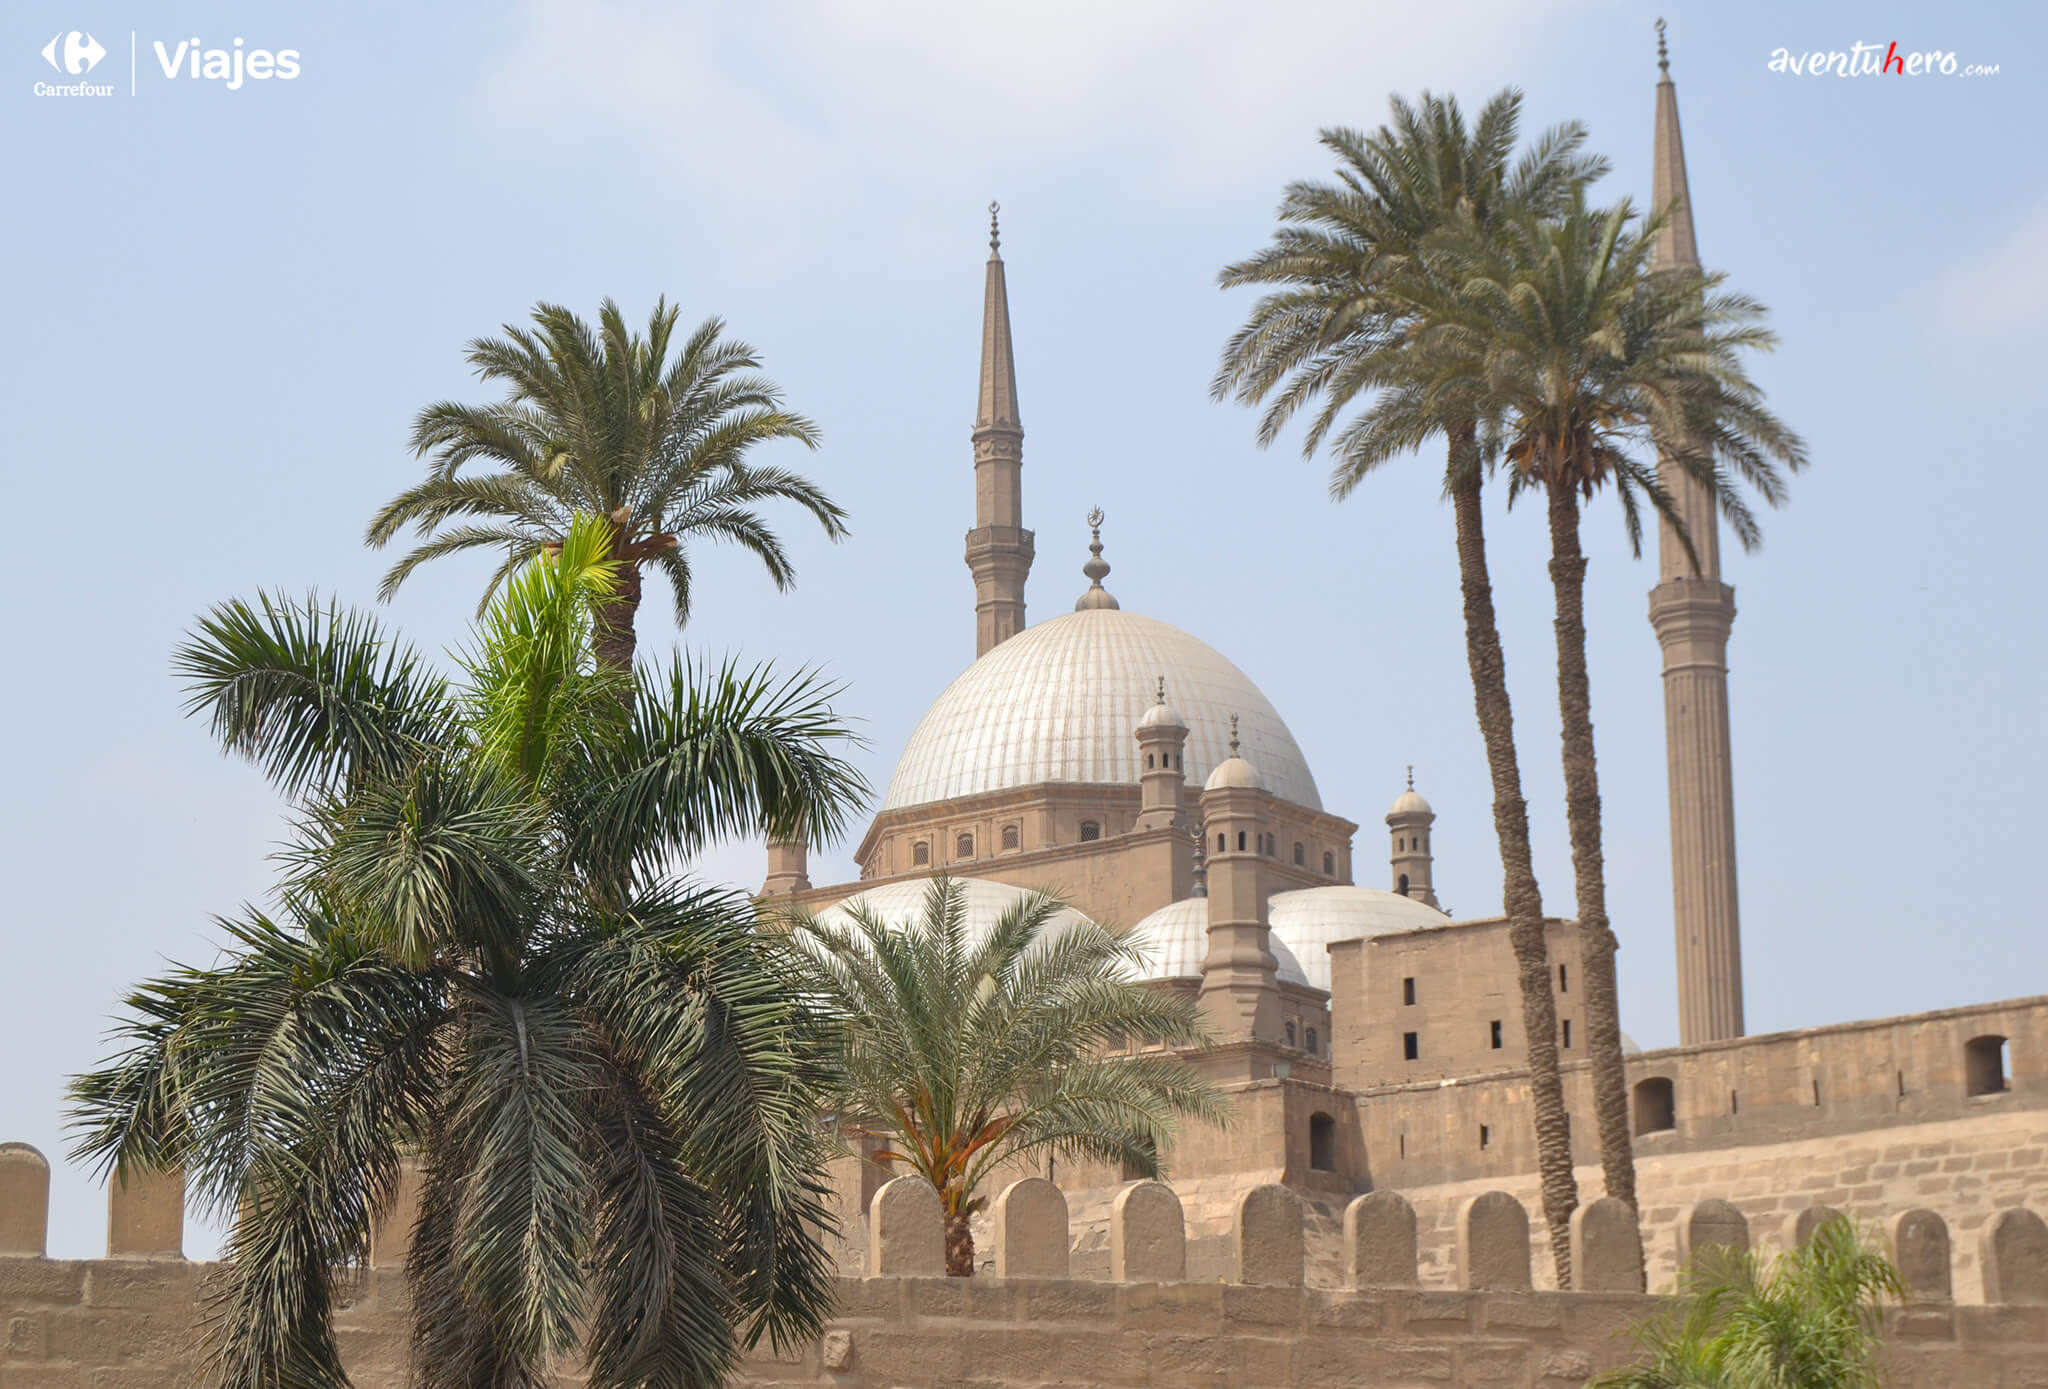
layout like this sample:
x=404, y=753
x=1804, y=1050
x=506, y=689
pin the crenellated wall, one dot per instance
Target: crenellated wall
x=131, y=1320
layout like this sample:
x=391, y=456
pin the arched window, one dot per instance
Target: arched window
x=1240, y=841
x=920, y=853
x=1984, y=1071
x=1012, y=837
x=1322, y=1142
x=1290, y=1032
x=1300, y=853
x=1402, y=886
x=1148, y=761
x=1313, y=1050
x=1090, y=830
x=1221, y=843
x=1329, y=865
x=1656, y=1105
x=963, y=847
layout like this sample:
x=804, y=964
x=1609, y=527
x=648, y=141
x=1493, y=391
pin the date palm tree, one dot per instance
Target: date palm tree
x=1600, y=364
x=965, y=1051
x=604, y=423
x=1341, y=327
x=1810, y=1320
x=480, y=962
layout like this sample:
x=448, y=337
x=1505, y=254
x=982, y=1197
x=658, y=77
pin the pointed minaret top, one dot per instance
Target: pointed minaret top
x=995, y=231
x=997, y=409
x=1676, y=244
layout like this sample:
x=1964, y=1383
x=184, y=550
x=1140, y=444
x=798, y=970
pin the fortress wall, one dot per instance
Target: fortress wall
x=1964, y=1169
x=125, y=1323
x=1846, y=1080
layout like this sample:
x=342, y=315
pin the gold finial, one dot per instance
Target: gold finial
x=995, y=233
x=1233, y=735
x=1663, y=56
x=1097, y=568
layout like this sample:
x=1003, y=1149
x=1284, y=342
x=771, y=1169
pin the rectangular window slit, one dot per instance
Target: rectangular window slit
x=1495, y=1025
x=1485, y=1136
x=1408, y=991
x=1564, y=985
x=1567, y=1034
x=1411, y=1045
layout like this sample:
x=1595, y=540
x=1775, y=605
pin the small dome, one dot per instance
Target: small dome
x=900, y=903
x=1408, y=803
x=1176, y=938
x=1161, y=715
x=1233, y=771
x=1311, y=919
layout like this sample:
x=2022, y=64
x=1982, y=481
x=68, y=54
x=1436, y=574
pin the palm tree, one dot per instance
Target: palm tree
x=479, y=961
x=1810, y=1321
x=1599, y=364
x=1341, y=327
x=967, y=1050
x=605, y=423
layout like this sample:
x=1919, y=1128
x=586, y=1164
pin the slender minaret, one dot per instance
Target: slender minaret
x=998, y=548
x=1692, y=611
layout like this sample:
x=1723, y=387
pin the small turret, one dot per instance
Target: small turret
x=1408, y=825
x=1240, y=976
x=788, y=868
x=1162, y=742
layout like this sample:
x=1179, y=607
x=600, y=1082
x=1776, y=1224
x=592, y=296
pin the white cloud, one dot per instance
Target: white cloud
x=792, y=116
x=2001, y=290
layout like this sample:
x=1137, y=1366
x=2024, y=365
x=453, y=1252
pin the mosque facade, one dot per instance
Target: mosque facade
x=1368, y=1038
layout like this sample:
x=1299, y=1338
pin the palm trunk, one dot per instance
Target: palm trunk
x=959, y=1247
x=1523, y=900
x=615, y=639
x=1582, y=803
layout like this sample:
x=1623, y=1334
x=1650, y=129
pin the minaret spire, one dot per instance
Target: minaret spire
x=999, y=549
x=1692, y=611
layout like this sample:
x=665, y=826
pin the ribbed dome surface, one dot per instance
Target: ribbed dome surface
x=1176, y=938
x=903, y=902
x=1309, y=919
x=1061, y=702
x=1304, y=923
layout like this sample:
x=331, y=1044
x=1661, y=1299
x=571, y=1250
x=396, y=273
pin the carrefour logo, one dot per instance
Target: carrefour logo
x=228, y=66
x=82, y=53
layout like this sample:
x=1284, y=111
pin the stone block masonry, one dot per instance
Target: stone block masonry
x=112, y=1323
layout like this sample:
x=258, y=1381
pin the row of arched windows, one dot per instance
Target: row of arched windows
x=1012, y=839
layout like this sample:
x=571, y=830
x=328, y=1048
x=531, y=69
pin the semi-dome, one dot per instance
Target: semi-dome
x=1061, y=702
x=1311, y=918
x=900, y=902
x=1176, y=938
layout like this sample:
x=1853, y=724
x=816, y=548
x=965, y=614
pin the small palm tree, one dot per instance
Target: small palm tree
x=606, y=424
x=479, y=961
x=965, y=1051
x=1597, y=365
x=1343, y=328
x=1810, y=1322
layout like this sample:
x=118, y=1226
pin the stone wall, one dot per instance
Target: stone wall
x=1850, y=1079
x=130, y=1321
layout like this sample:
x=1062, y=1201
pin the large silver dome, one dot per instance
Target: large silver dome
x=1061, y=702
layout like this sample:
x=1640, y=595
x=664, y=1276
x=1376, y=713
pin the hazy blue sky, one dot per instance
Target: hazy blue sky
x=227, y=305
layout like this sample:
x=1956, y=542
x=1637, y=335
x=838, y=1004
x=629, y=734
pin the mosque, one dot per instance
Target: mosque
x=1367, y=1037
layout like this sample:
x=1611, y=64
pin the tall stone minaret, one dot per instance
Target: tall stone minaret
x=998, y=548
x=1692, y=611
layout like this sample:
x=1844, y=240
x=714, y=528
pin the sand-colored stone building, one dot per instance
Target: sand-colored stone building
x=1370, y=1040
